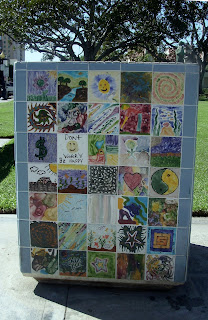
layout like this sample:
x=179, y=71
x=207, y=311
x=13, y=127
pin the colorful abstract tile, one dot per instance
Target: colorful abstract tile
x=103, y=118
x=72, y=207
x=107, y=212
x=161, y=240
x=103, y=179
x=134, y=150
x=72, y=178
x=72, y=117
x=72, y=236
x=135, y=119
x=163, y=212
x=133, y=181
x=101, y=238
x=72, y=148
x=136, y=87
x=41, y=86
x=103, y=149
x=104, y=86
x=132, y=210
x=43, y=234
x=130, y=266
x=160, y=268
x=72, y=86
x=164, y=182
x=167, y=121
x=43, y=206
x=168, y=88
x=165, y=152
x=101, y=264
x=42, y=147
x=41, y=117
x=44, y=261
x=42, y=177
x=72, y=263
x=131, y=239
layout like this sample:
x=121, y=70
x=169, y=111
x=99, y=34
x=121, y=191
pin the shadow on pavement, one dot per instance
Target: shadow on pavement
x=188, y=301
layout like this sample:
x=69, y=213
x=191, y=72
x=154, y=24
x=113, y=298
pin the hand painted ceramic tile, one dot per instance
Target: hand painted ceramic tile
x=164, y=182
x=43, y=206
x=72, y=178
x=72, y=207
x=168, y=88
x=167, y=121
x=41, y=86
x=133, y=181
x=72, y=236
x=131, y=239
x=103, y=118
x=44, y=261
x=101, y=238
x=130, y=266
x=42, y=147
x=136, y=87
x=102, y=179
x=104, y=86
x=107, y=212
x=72, y=148
x=134, y=151
x=103, y=149
x=43, y=234
x=165, y=152
x=160, y=268
x=162, y=212
x=161, y=240
x=101, y=264
x=72, y=86
x=135, y=119
x=72, y=117
x=72, y=263
x=42, y=177
x=41, y=117
x=132, y=210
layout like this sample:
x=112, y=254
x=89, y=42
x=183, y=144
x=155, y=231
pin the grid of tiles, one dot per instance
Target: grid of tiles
x=105, y=156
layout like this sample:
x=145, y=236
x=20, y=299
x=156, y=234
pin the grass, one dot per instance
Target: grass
x=7, y=169
x=7, y=119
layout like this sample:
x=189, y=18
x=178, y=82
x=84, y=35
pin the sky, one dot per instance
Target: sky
x=32, y=56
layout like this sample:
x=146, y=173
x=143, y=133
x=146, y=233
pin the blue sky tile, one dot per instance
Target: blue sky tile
x=20, y=85
x=36, y=66
x=167, y=67
x=24, y=234
x=182, y=241
x=180, y=269
x=186, y=183
x=22, y=171
x=106, y=66
x=184, y=212
x=191, y=89
x=21, y=116
x=192, y=68
x=25, y=262
x=21, y=147
x=20, y=66
x=188, y=152
x=189, y=121
x=23, y=205
x=70, y=66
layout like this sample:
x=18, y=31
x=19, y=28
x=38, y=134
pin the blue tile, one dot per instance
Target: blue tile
x=25, y=262
x=186, y=183
x=21, y=147
x=21, y=116
x=70, y=65
x=189, y=121
x=42, y=66
x=20, y=85
x=192, y=68
x=24, y=233
x=182, y=241
x=188, y=152
x=104, y=66
x=142, y=67
x=184, y=212
x=180, y=269
x=22, y=205
x=191, y=89
x=20, y=66
x=22, y=176
x=167, y=67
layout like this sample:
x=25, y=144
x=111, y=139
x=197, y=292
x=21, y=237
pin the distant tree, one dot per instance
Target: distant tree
x=82, y=83
x=67, y=80
x=61, y=80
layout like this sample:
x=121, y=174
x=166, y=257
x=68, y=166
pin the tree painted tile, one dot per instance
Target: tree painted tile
x=101, y=237
x=130, y=266
x=41, y=85
x=134, y=150
x=163, y=212
x=72, y=207
x=72, y=236
x=160, y=268
x=43, y=206
x=133, y=181
x=131, y=239
x=101, y=265
x=132, y=210
x=44, y=261
x=42, y=116
x=72, y=86
x=72, y=263
x=72, y=117
x=42, y=177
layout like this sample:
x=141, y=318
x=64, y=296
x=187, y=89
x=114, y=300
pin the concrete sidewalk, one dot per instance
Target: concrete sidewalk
x=23, y=298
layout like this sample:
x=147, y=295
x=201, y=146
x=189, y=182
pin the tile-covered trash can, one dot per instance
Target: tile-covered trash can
x=104, y=164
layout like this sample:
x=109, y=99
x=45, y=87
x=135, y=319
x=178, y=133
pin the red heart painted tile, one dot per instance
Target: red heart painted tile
x=132, y=180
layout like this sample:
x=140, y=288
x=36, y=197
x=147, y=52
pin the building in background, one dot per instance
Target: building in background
x=12, y=50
